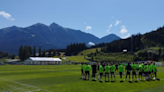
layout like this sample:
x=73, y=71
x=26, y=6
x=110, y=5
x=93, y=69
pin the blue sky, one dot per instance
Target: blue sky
x=98, y=17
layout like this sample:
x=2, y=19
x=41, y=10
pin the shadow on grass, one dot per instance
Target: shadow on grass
x=112, y=81
x=142, y=80
x=130, y=81
x=121, y=81
x=158, y=79
x=136, y=81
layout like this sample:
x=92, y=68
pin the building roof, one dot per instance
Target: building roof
x=44, y=59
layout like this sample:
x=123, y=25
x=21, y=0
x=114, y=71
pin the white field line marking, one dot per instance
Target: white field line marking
x=24, y=84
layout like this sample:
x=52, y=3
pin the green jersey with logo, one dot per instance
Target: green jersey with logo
x=134, y=67
x=100, y=69
x=87, y=68
x=120, y=68
x=154, y=68
x=107, y=69
x=151, y=67
x=112, y=67
x=140, y=68
x=146, y=68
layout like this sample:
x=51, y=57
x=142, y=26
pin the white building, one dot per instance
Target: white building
x=42, y=61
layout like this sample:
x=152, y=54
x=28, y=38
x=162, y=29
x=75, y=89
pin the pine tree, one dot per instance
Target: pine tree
x=54, y=52
x=40, y=51
x=21, y=52
x=44, y=53
x=34, y=52
x=49, y=53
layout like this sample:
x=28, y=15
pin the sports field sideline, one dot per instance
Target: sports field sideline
x=65, y=78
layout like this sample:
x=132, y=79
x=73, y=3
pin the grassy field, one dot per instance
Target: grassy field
x=156, y=48
x=88, y=51
x=65, y=78
x=77, y=58
x=114, y=57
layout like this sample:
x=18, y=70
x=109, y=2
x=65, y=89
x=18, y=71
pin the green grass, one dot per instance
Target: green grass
x=88, y=51
x=65, y=78
x=156, y=48
x=114, y=57
x=77, y=58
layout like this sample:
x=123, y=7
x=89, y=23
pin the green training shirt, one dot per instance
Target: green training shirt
x=112, y=67
x=150, y=67
x=142, y=65
x=140, y=68
x=120, y=68
x=87, y=68
x=134, y=67
x=146, y=68
x=122, y=64
x=154, y=68
x=100, y=69
x=107, y=69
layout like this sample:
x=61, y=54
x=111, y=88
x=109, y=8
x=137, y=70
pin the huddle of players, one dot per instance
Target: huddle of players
x=146, y=70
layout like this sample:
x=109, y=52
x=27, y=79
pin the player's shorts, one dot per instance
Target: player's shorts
x=120, y=73
x=133, y=73
x=149, y=72
x=116, y=68
x=128, y=73
x=101, y=74
x=82, y=71
x=112, y=72
x=106, y=73
x=145, y=73
x=87, y=72
x=140, y=73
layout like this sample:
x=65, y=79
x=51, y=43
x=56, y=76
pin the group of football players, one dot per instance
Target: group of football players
x=144, y=70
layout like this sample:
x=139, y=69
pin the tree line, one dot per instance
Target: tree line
x=75, y=48
x=27, y=51
x=6, y=55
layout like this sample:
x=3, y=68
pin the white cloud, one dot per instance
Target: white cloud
x=91, y=43
x=88, y=27
x=6, y=15
x=123, y=30
x=110, y=26
x=127, y=36
x=117, y=22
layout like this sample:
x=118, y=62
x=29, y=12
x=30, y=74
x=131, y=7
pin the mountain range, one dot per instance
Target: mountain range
x=52, y=36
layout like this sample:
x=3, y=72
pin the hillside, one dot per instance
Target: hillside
x=88, y=51
x=109, y=57
x=137, y=42
x=52, y=36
